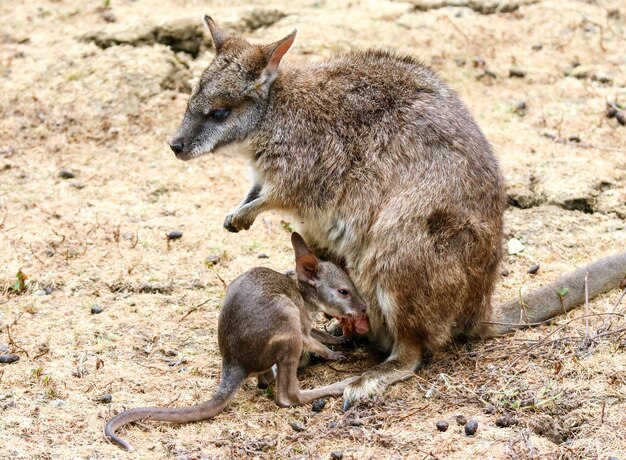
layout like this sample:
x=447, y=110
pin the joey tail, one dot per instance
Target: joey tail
x=559, y=296
x=231, y=381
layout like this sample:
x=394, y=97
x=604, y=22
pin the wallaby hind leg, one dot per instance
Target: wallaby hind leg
x=288, y=388
x=399, y=366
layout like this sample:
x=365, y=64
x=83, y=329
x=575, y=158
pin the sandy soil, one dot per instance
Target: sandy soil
x=99, y=238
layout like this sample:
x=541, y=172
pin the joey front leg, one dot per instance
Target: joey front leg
x=328, y=339
x=310, y=344
x=244, y=215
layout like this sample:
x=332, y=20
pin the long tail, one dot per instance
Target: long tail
x=560, y=296
x=231, y=381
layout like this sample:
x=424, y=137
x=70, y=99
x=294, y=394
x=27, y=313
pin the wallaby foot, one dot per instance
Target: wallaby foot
x=374, y=382
x=265, y=379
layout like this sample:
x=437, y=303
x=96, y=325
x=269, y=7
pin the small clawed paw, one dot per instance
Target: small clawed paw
x=234, y=223
x=228, y=224
x=337, y=356
x=345, y=338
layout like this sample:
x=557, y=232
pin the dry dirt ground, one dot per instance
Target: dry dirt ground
x=68, y=101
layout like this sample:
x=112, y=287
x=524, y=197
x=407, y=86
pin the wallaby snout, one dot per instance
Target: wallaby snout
x=177, y=146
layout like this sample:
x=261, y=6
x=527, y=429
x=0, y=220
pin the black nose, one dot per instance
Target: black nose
x=176, y=146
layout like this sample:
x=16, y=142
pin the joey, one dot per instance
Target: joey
x=264, y=325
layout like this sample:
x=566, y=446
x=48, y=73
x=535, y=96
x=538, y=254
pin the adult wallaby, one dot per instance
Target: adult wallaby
x=264, y=324
x=389, y=176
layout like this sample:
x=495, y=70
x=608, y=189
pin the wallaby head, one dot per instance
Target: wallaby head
x=334, y=292
x=232, y=94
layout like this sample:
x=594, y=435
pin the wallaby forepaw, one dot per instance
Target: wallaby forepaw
x=235, y=223
x=228, y=224
x=336, y=356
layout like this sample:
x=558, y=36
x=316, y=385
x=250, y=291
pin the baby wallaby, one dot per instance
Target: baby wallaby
x=265, y=323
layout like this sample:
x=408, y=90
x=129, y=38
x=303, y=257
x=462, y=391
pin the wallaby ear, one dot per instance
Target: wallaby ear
x=276, y=51
x=299, y=246
x=217, y=34
x=306, y=262
x=306, y=268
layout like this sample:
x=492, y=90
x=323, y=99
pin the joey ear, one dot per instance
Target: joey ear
x=276, y=51
x=299, y=246
x=306, y=268
x=217, y=34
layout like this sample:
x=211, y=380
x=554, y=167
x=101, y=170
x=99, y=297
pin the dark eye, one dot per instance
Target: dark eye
x=219, y=114
x=343, y=291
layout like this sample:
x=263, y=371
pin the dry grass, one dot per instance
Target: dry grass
x=99, y=239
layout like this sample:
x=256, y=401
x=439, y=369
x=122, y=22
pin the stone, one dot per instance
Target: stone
x=514, y=246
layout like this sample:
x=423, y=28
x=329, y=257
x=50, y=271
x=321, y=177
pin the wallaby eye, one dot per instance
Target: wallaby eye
x=219, y=114
x=343, y=291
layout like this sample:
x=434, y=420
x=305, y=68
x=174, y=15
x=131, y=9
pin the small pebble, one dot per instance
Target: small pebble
x=504, y=272
x=517, y=73
x=96, y=310
x=613, y=458
x=8, y=358
x=550, y=136
x=514, y=246
x=40, y=292
x=174, y=235
x=297, y=426
x=105, y=398
x=336, y=455
x=461, y=420
x=520, y=107
x=537, y=47
x=575, y=139
x=4, y=349
x=471, y=427
x=489, y=409
x=66, y=174
x=533, y=269
x=611, y=111
x=621, y=118
x=171, y=352
x=506, y=421
x=213, y=259
x=479, y=62
x=318, y=405
x=263, y=256
x=442, y=425
x=108, y=15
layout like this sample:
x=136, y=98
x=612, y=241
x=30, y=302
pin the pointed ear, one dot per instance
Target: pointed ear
x=306, y=262
x=217, y=34
x=306, y=268
x=299, y=246
x=276, y=51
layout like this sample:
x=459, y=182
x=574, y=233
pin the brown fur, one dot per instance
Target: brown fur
x=389, y=175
